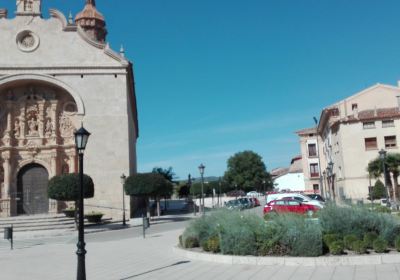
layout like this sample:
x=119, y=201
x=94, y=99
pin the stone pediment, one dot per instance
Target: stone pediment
x=34, y=42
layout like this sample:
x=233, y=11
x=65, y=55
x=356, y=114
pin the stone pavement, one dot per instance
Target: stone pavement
x=153, y=258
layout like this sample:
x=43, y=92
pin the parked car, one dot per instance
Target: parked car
x=316, y=196
x=235, y=204
x=298, y=196
x=245, y=202
x=289, y=205
x=255, y=201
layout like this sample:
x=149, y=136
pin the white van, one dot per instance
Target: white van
x=298, y=196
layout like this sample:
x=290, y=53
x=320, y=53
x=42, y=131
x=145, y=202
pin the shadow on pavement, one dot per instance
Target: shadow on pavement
x=156, y=269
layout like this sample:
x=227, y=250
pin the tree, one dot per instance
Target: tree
x=148, y=185
x=378, y=191
x=66, y=187
x=392, y=164
x=247, y=171
x=167, y=173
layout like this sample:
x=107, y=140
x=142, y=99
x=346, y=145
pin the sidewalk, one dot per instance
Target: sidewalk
x=153, y=258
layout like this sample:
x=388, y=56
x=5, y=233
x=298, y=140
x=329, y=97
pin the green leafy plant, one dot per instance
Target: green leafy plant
x=211, y=244
x=191, y=242
x=380, y=245
x=397, y=243
x=359, y=246
x=369, y=239
x=382, y=209
x=336, y=247
x=330, y=237
x=348, y=241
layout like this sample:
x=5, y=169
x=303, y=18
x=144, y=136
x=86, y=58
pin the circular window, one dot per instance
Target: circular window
x=27, y=41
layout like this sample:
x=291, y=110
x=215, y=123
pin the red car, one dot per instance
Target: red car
x=289, y=205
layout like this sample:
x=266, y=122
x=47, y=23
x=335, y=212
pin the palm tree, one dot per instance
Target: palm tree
x=392, y=163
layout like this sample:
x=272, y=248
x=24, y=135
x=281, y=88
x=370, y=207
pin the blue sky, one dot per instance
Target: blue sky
x=215, y=77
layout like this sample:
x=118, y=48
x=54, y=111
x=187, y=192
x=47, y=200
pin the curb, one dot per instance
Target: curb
x=291, y=261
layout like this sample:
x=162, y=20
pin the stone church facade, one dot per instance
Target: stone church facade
x=56, y=74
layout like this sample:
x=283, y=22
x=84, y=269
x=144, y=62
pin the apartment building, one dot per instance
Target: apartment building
x=310, y=146
x=350, y=134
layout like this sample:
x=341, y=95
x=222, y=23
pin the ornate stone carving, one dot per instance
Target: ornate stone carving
x=33, y=127
x=17, y=129
x=49, y=129
x=66, y=126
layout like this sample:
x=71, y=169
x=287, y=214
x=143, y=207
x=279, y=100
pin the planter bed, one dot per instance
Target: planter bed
x=328, y=260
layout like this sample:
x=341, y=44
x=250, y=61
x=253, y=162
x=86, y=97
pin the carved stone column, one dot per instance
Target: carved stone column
x=7, y=136
x=22, y=125
x=7, y=183
x=41, y=120
x=53, y=116
x=53, y=204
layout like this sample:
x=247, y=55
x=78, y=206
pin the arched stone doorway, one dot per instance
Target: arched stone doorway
x=32, y=185
x=37, y=124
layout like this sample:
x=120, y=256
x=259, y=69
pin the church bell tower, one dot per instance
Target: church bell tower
x=92, y=22
x=29, y=8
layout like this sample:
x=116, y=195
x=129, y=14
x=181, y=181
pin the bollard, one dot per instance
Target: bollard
x=146, y=224
x=8, y=235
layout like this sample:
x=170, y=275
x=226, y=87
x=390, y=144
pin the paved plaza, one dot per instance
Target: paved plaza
x=124, y=254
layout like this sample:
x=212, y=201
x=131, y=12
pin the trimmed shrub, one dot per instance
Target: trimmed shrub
x=191, y=242
x=211, y=244
x=348, y=241
x=369, y=239
x=336, y=247
x=397, y=243
x=380, y=245
x=330, y=237
x=66, y=187
x=359, y=246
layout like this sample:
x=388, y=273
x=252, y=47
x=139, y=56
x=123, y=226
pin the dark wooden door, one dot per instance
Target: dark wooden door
x=32, y=190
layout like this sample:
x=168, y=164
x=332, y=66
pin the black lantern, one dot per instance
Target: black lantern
x=81, y=138
x=201, y=169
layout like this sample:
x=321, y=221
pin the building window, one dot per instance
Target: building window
x=390, y=141
x=312, y=150
x=354, y=106
x=368, y=125
x=314, y=171
x=315, y=187
x=370, y=143
x=388, y=123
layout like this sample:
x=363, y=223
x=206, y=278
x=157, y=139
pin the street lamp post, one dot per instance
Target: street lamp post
x=123, y=179
x=201, y=169
x=189, y=187
x=81, y=138
x=382, y=156
x=330, y=175
x=219, y=193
